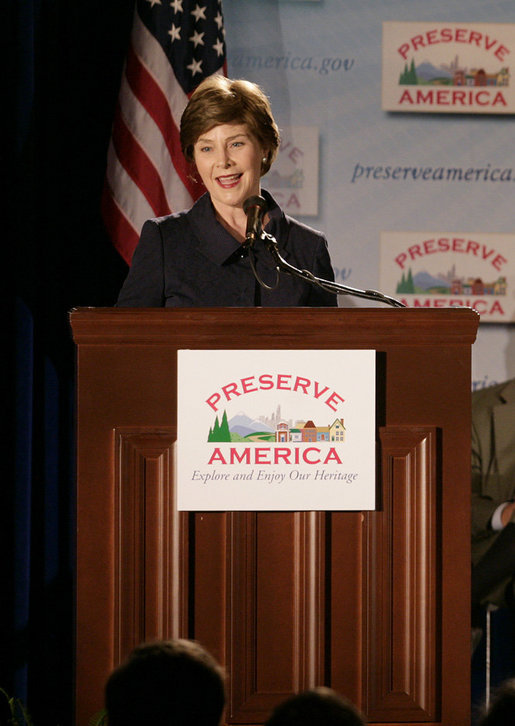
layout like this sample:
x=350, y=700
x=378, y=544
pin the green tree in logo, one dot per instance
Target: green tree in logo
x=220, y=431
x=408, y=76
x=406, y=284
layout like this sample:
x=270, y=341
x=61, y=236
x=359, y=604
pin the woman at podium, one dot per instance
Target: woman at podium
x=202, y=257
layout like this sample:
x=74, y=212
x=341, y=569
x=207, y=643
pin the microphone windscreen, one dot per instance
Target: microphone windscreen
x=255, y=201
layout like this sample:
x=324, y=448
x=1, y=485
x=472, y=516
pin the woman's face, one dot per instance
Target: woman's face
x=228, y=159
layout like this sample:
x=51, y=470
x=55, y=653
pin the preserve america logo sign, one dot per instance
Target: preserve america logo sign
x=442, y=269
x=448, y=67
x=276, y=430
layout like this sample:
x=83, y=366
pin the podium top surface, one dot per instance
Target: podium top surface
x=274, y=327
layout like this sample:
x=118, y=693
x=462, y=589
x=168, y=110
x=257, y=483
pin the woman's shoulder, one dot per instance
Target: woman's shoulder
x=175, y=219
x=181, y=219
x=303, y=229
x=289, y=224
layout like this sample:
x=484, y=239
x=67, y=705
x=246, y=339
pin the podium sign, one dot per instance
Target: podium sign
x=276, y=430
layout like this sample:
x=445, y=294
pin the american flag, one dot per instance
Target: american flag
x=174, y=45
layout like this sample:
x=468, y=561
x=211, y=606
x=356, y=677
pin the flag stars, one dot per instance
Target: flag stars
x=199, y=13
x=219, y=20
x=154, y=2
x=174, y=33
x=195, y=67
x=219, y=47
x=197, y=38
x=177, y=6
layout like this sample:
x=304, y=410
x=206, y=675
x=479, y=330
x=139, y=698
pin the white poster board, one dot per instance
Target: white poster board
x=276, y=430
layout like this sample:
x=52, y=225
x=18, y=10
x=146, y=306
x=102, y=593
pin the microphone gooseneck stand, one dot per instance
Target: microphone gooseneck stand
x=334, y=287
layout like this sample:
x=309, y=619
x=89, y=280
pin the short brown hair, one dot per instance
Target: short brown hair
x=220, y=100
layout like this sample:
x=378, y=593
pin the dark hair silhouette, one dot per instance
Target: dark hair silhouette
x=167, y=683
x=316, y=707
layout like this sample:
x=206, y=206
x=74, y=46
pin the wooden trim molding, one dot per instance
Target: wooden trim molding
x=150, y=598
x=276, y=609
x=401, y=550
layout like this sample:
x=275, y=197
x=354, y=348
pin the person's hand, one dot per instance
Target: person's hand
x=507, y=513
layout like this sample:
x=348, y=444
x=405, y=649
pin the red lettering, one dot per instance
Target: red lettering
x=283, y=454
x=475, y=37
x=414, y=251
x=489, y=43
x=400, y=260
x=499, y=98
x=498, y=261
x=456, y=97
x=431, y=37
x=335, y=399
x=230, y=389
x=243, y=458
x=260, y=456
x=406, y=97
x=308, y=451
x=247, y=383
x=332, y=455
x=302, y=383
x=212, y=400
x=319, y=392
x=417, y=42
x=293, y=201
x=501, y=52
x=282, y=381
x=266, y=382
x=217, y=456
x=457, y=35
x=472, y=247
x=403, y=50
x=295, y=154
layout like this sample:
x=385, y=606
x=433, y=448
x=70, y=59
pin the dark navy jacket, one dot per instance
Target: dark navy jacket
x=189, y=259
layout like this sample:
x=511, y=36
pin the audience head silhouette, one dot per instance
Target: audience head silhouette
x=501, y=711
x=316, y=707
x=168, y=683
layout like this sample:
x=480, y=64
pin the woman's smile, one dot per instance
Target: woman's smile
x=228, y=181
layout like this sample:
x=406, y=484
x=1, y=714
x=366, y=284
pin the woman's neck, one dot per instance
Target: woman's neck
x=234, y=220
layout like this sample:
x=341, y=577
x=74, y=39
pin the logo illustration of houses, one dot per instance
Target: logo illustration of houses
x=423, y=282
x=451, y=74
x=242, y=428
x=295, y=180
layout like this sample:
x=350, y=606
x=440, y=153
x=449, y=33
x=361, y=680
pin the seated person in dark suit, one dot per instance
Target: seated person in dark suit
x=493, y=496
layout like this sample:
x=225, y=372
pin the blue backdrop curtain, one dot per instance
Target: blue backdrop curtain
x=63, y=65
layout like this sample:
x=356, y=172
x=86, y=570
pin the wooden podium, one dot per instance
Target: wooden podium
x=374, y=604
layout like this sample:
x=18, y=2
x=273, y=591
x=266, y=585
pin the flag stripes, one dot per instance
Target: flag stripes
x=147, y=175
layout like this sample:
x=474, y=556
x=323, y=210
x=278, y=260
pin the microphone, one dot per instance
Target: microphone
x=255, y=208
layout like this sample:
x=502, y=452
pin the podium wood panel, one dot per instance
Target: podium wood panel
x=373, y=604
